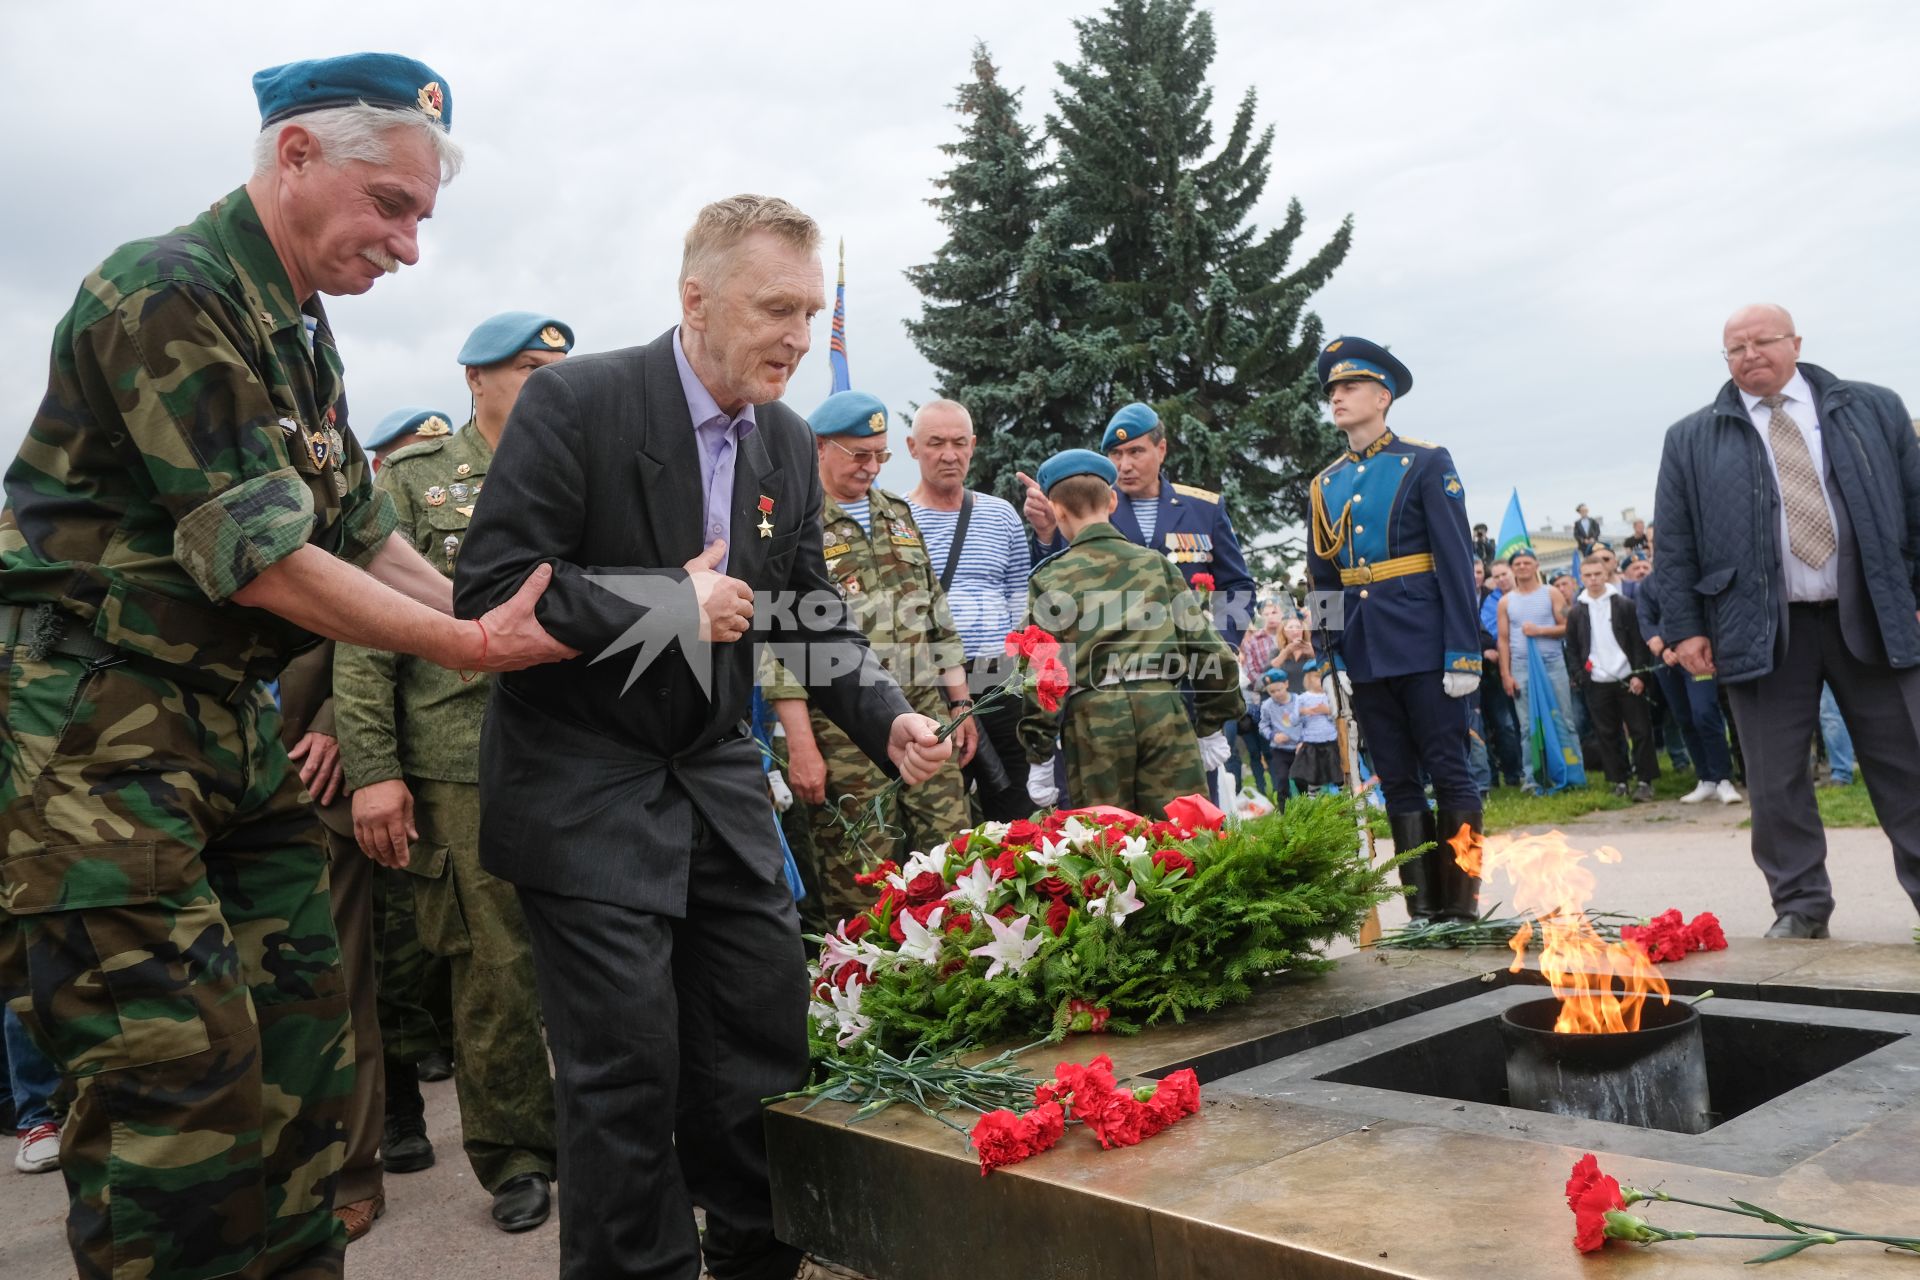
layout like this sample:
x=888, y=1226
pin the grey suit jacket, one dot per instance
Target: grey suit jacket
x=588, y=786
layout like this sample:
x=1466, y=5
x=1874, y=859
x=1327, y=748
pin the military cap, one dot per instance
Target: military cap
x=1130, y=423
x=1074, y=462
x=1519, y=551
x=1311, y=664
x=412, y=421
x=1352, y=359
x=849, y=413
x=376, y=79
x=511, y=332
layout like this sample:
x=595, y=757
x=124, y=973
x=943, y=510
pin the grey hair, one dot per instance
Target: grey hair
x=950, y=406
x=358, y=132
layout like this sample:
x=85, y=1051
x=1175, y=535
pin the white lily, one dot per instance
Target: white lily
x=1073, y=831
x=934, y=859
x=1137, y=853
x=1048, y=851
x=1011, y=947
x=995, y=831
x=846, y=1015
x=974, y=888
x=922, y=941
x=838, y=950
x=1117, y=905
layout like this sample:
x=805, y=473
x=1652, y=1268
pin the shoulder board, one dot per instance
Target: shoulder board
x=418, y=449
x=1195, y=491
x=1333, y=466
x=1418, y=444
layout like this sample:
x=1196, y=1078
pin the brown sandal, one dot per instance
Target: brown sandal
x=359, y=1215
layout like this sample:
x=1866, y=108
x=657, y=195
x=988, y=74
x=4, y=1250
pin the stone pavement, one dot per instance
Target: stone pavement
x=1694, y=857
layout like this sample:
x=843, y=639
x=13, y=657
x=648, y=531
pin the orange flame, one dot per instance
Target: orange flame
x=1602, y=985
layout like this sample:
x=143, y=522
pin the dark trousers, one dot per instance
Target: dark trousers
x=1614, y=706
x=1410, y=723
x=1696, y=705
x=1776, y=717
x=1503, y=731
x=1002, y=798
x=666, y=1034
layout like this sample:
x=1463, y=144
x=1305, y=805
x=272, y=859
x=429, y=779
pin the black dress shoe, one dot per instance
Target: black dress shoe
x=1792, y=924
x=522, y=1202
x=404, y=1148
x=435, y=1066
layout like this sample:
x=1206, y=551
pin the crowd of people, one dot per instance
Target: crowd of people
x=325, y=775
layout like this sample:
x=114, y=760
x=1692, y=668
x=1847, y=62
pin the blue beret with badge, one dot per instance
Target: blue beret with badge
x=1130, y=423
x=1074, y=462
x=849, y=413
x=376, y=79
x=1355, y=359
x=506, y=335
x=427, y=423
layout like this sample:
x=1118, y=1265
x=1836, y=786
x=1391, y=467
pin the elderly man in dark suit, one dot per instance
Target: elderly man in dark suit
x=678, y=504
x=1791, y=515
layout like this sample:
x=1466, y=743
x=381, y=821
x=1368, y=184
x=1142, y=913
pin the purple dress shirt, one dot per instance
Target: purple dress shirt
x=719, y=437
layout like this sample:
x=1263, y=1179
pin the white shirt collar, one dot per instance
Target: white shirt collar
x=1796, y=389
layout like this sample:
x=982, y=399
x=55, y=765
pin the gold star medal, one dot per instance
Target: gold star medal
x=766, y=516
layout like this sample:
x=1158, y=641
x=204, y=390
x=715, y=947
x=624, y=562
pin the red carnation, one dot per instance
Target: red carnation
x=928, y=886
x=1052, y=684
x=1591, y=1194
x=1201, y=582
x=1196, y=813
x=876, y=875
x=1001, y=1138
x=1084, y=1015
x=1177, y=1096
x=1172, y=860
x=1704, y=933
x=1047, y=1123
x=1035, y=644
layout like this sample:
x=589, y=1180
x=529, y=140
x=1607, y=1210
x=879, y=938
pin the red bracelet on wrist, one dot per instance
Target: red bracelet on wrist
x=466, y=677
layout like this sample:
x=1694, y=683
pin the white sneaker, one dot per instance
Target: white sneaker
x=39, y=1149
x=1727, y=794
x=1704, y=791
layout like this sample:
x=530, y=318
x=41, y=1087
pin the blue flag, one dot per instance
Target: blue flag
x=1513, y=530
x=837, y=344
x=1556, y=764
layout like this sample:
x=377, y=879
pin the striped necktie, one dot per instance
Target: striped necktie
x=1809, y=527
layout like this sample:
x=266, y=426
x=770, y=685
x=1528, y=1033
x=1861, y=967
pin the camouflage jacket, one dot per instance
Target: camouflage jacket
x=1124, y=615
x=396, y=715
x=193, y=434
x=894, y=593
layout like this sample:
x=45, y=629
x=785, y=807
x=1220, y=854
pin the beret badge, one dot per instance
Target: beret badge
x=553, y=337
x=430, y=100
x=878, y=422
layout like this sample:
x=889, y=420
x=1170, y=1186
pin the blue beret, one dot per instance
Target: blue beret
x=849, y=413
x=1074, y=462
x=377, y=79
x=1311, y=664
x=511, y=332
x=1130, y=423
x=427, y=422
x=1275, y=673
x=1351, y=359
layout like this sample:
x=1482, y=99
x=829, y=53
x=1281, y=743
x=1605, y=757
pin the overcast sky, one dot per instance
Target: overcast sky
x=1556, y=206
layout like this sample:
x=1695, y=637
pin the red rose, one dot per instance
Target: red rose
x=1590, y=1194
x=1059, y=911
x=1196, y=813
x=1052, y=684
x=1704, y=933
x=1092, y=886
x=1201, y=582
x=1053, y=887
x=1005, y=866
x=857, y=927
x=1022, y=832
x=922, y=911
x=849, y=974
x=960, y=922
x=876, y=875
x=928, y=886
x=1007, y=912
x=958, y=845
x=1172, y=860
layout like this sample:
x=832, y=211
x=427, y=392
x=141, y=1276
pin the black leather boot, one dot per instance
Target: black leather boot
x=1410, y=831
x=1456, y=894
x=404, y=1147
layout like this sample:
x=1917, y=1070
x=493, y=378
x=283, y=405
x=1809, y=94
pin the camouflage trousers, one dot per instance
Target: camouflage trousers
x=500, y=1067
x=174, y=950
x=1133, y=746
x=415, y=986
x=919, y=818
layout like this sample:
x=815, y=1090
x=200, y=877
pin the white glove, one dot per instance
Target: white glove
x=1459, y=684
x=1345, y=682
x=1214, y=750
x=782, y=793
x=1040, y=788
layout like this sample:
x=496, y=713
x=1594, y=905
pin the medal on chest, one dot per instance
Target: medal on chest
x=766, y=516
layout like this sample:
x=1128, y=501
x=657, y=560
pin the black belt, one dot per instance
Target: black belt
x=45, y=630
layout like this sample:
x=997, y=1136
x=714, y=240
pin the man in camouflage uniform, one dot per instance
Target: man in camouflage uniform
x=187, y=510
x=410, y=734
x=1130, y=631
x=875, y=555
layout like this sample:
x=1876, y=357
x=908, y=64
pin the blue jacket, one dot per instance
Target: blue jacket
x=1192, y=529
x=1718, y=572
x=1399, y=498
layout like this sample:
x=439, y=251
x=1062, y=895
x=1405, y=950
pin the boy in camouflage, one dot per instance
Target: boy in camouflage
x=1131, y=631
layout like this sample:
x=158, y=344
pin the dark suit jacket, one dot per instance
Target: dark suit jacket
x=588, y=786
x=1626, y=633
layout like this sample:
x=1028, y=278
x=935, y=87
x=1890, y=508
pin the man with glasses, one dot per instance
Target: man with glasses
x=1792, y=514
x=879, y=563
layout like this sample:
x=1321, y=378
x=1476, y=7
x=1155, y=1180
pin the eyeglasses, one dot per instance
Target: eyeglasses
x=1758, y=344
x=863, y=456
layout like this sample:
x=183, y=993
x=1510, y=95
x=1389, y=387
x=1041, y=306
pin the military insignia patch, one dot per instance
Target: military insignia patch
x=433, y=427
x=464, y=469
x=452, y=547
x=435, y=496
x=850, y=586
x=1119, y=433
x=430, y=100
x=1451, y=483
x=320, y=449
x=1334, y=345
x=459, y=492
x=835, y=551
x=466, y=511
x=289, y=426
x=903, y=534
x=878, y=422
x=553, y=337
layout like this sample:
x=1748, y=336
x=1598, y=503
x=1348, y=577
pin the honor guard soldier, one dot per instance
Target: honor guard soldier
x=410, y=739
x=879, y=563
x=1390, y=550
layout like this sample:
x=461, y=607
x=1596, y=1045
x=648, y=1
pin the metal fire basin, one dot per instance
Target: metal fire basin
x=1346, y=1132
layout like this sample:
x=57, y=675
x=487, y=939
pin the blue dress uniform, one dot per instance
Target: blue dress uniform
x=1390, y=534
